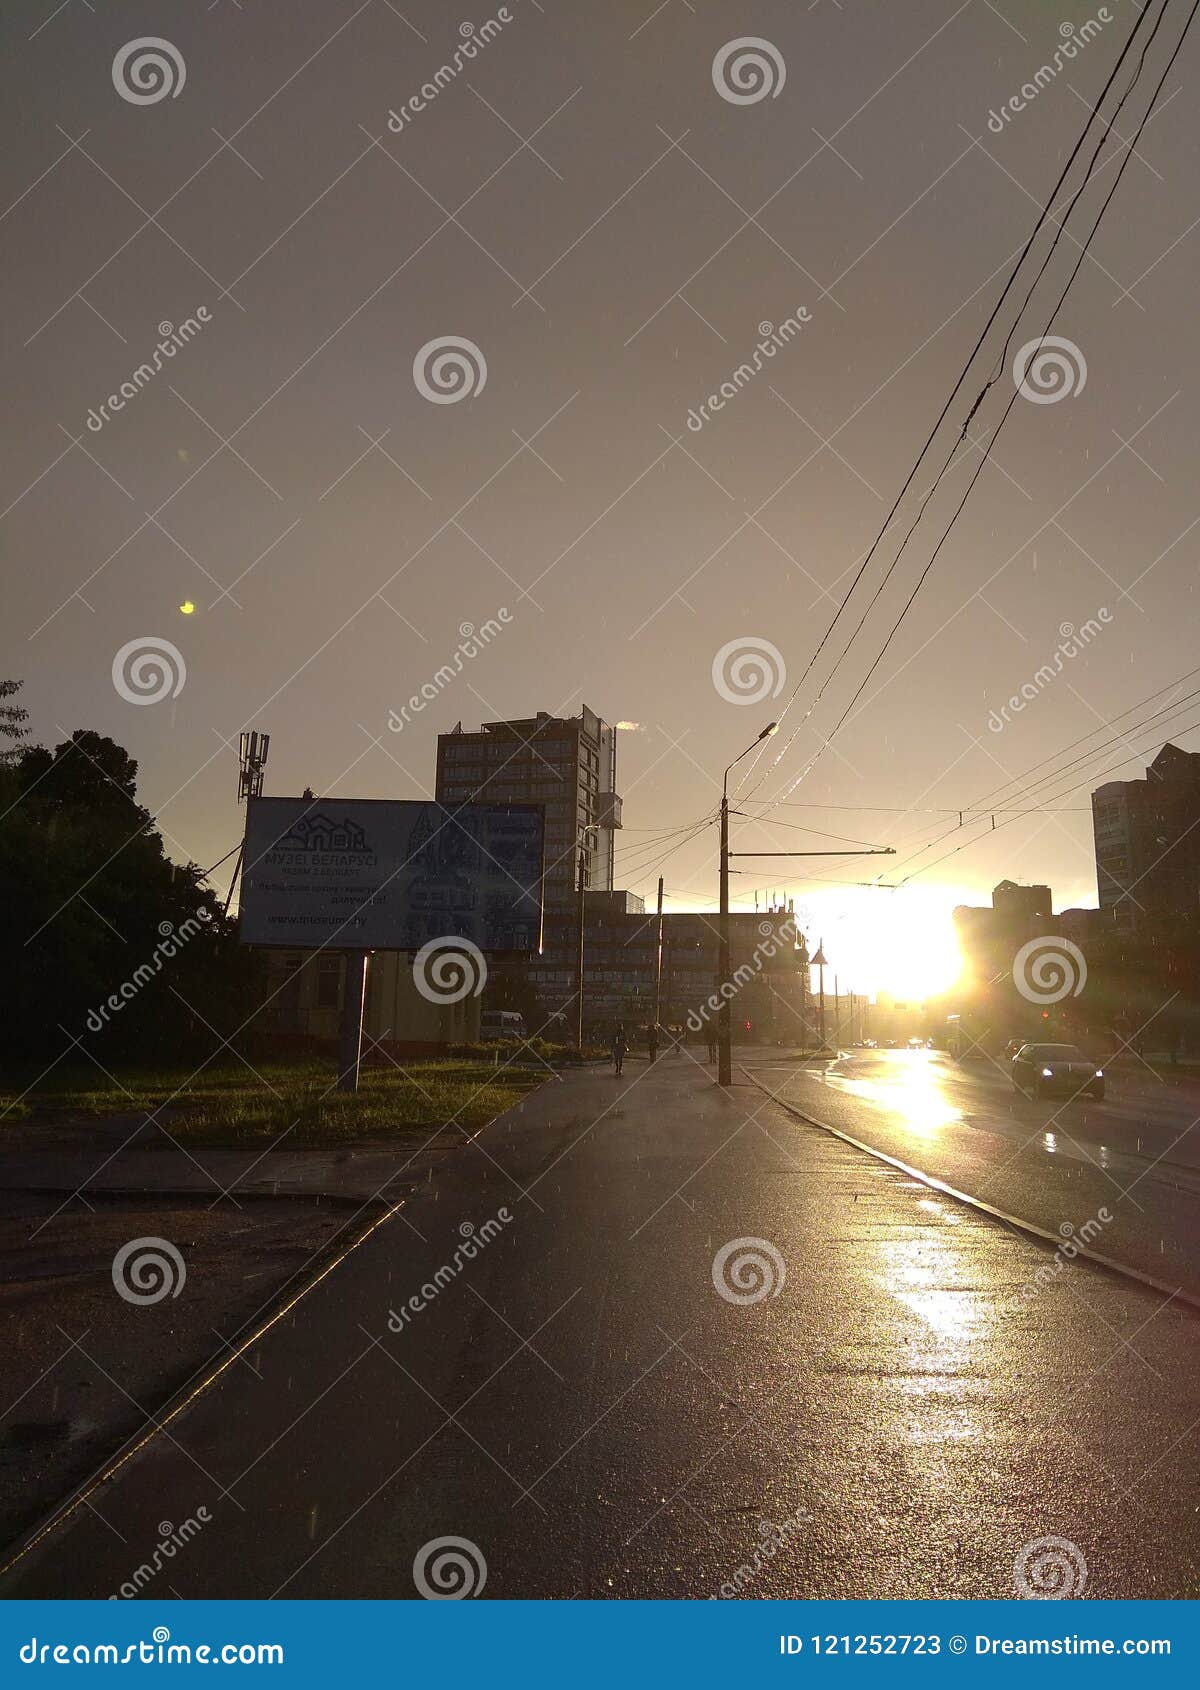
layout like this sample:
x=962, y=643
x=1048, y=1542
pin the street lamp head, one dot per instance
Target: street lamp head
x=771, y=727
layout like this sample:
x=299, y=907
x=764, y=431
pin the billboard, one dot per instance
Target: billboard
x=389, y=874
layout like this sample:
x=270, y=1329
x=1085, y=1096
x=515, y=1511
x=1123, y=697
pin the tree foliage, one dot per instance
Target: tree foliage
x=104, y=940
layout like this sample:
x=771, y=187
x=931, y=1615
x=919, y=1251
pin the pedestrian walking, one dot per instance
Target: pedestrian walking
x=619, y=1046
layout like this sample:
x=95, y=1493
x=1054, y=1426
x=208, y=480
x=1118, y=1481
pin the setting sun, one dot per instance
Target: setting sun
x=901, y=942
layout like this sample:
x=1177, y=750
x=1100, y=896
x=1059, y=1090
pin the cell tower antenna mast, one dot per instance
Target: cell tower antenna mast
x=252, y=755
x=252, y=761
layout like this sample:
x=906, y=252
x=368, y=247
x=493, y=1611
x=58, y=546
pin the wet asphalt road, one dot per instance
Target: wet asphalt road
x=919, y=1394
x=1127, y=1168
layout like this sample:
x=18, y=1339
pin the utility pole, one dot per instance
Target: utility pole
x=657, y=976
x=724, y=1024
x=581, y=915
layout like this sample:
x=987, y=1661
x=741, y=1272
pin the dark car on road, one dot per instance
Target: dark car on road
x=1042, y=1069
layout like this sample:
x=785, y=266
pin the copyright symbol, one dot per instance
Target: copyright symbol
x=958, y=1645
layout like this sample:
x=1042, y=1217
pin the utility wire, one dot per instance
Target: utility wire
x=1082, y=760
x=797, y=827
x=1140, y=704
x=986, y=451
x=1060, y=229
x=1192, y=726
x=1085, y=780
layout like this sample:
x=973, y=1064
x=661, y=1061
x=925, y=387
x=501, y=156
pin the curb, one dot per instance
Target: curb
x=1030, y=1228
x=175, y=1404
x=322, y=1266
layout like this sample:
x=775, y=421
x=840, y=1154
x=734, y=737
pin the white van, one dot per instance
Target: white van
x=498, y=1024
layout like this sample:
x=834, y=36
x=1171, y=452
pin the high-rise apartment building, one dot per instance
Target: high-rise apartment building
x=569, y=765
x=1147, y=835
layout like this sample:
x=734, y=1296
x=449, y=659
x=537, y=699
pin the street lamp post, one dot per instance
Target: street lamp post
x=818, y=962
x=724, y=1037
x=724, y=1022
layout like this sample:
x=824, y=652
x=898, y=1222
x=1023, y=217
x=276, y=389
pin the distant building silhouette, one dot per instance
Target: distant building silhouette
x=1147, y=835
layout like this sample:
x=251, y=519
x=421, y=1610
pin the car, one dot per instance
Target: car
x=1012, y=1047
x=1040, y=1069
x=916, y=1044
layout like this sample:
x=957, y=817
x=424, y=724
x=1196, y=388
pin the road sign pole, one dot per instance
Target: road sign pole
x=353, y=1001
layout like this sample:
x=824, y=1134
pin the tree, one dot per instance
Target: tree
x=110, y=942
x=12, y=718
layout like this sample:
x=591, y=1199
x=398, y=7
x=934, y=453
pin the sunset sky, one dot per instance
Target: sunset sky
x=614, y=237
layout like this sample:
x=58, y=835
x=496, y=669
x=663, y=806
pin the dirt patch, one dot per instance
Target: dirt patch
x=84, y=1367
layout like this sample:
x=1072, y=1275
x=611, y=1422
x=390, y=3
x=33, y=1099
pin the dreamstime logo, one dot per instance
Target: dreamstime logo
x=172, y=940
x=1049, y=969
x=475, y=1240
x=1071, y=38
x=1071, y=641
x=1075, y=1242
x=746, y=1270
x=1050, y=1569
x=449, y=969
x=171, y=1540
x=1049, y=369
x=448, y=369
x=770, y=342
x=472, y=640
x=772, y=938
x=748, y=669
x=147, y=70
x=471, y=40
x=148, y=669
x=171, y=340
x=772, y=1537
x=148, y=1269
x=449, y=1569
x=747, y=70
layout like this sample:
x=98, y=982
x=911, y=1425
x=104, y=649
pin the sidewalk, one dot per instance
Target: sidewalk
x=603, y=1404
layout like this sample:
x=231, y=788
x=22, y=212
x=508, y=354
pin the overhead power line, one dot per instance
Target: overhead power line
x=1046, y=211
x=1100, y=750
x=985, y=453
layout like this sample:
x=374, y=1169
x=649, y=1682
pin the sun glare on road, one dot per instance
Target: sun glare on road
x=910, y=1089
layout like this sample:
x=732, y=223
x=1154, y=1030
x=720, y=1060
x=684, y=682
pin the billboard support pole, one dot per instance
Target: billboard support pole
x=353, y=1001
x=233, y=879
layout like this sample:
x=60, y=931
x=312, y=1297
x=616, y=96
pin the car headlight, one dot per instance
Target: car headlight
x=1047, y=1073
x=1099, y=1073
